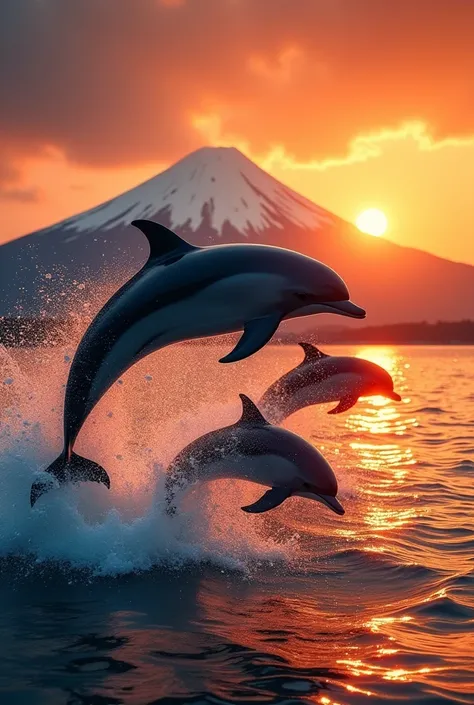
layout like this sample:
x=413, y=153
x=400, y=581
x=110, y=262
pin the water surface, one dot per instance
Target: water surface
x=107, y=602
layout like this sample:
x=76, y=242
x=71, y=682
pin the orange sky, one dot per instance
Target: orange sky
x=354, y=103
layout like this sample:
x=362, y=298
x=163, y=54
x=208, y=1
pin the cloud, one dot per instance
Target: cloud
x=367, y=146
x=117, y=82
x=11, y=186
x=421, y=183
x=22, y=195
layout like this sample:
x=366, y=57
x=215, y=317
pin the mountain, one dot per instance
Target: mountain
x=217, y=195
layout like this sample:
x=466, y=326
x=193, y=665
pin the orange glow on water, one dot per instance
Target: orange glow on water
x=384, y=356
x=375, y=586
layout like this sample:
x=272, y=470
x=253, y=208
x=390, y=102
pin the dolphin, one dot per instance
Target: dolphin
x=254, y=450
x=184, y=292
x=323, y=378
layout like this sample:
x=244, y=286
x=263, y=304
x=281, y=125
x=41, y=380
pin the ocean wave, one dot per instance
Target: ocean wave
x=79, y=527
x=445, y=609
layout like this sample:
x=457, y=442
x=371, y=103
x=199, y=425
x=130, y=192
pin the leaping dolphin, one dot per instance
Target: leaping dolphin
x=185, y=292
x=254, y=450
x=322, y=378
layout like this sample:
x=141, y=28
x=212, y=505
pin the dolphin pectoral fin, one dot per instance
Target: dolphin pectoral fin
x=271, y=499
x=162, y=241
x=256, y=334
x=346, y=403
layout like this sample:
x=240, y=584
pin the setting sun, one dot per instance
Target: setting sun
x=372, y=222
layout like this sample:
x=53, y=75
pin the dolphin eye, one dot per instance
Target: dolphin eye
x=304, y=296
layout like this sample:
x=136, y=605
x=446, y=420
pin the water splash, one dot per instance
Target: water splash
x=126, y=529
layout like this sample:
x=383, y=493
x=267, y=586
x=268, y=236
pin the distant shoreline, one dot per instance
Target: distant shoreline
x=315, y=340
x=28, y=333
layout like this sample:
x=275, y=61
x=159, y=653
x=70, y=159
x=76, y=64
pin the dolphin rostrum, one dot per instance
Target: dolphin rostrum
x=254, y=450
x=322, y=378
x=184, y=292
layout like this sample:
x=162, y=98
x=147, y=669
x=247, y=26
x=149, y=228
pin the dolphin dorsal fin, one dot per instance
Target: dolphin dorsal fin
x=250, y=413
x=311, y=352
x=162, y=241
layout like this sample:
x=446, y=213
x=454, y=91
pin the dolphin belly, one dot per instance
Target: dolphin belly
x=329, y=390
x=283, y=402
x=223, y=307
x=268, y=470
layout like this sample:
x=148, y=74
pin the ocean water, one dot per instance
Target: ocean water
x=106, y=601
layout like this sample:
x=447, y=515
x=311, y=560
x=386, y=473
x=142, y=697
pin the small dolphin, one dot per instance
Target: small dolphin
x=254, y=450
x=185, y=292
x=322, y=378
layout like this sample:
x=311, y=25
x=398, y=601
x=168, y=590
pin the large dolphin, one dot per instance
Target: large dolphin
x=254, y=450
x=322, y=378
x=185, y=292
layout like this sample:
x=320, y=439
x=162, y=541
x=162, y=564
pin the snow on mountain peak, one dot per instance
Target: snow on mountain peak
x=222, y=180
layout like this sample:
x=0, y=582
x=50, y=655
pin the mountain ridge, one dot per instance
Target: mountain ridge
x=217, y=195
x=185, y=178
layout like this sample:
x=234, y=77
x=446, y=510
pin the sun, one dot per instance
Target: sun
x=372, y=221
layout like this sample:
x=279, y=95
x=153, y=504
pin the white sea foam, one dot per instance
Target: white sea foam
x=126, y=529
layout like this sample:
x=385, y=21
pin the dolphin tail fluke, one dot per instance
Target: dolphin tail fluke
x=77, y=469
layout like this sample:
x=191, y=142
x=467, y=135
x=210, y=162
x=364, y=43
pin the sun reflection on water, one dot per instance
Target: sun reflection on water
x=378, y=415
x=384, y=356
x=381, y=519
x=359, y=668
x=380, y=430
x=376, y=457
x=376, y=623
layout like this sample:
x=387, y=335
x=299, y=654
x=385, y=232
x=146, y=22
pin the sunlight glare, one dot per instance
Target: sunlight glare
x=372, y=221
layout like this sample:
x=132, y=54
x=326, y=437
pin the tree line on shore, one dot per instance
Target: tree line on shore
x=36, y=332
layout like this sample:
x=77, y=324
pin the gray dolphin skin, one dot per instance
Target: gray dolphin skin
x=323, y=378
x=254, y=450
x=185, y=292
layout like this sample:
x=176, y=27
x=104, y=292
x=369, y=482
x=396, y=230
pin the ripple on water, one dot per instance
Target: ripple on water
x=112, y=604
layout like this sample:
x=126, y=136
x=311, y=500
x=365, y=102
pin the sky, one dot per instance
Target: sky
x=353, y=103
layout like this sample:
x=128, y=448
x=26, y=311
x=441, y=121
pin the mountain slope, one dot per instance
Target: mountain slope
x=217, y=195
x=236, y=191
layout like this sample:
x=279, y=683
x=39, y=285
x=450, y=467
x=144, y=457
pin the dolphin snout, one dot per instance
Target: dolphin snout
x=328, y=500
x=347, y=308
x=394, y=396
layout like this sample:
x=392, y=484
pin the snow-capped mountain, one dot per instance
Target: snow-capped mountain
x=217, y=195
x=213, y=188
